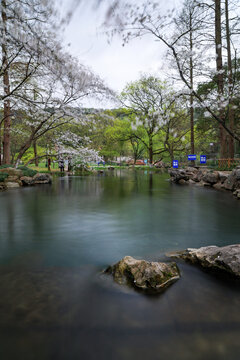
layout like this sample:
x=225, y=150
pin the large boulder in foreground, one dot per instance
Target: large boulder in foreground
x=225, y=258
x=152, y=277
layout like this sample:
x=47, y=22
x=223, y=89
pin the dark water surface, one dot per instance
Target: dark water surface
x=54, y=242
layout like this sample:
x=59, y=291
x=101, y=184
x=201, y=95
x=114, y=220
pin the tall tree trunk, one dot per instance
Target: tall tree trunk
x=231, y=114
x=135, y=157
x=191, y=95
x=35, y=153
x=150, y=150
x=135, y=150
x=219, y=67
x=170, y=150
x=6, y=90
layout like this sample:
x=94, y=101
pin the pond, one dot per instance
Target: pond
x=56, y=239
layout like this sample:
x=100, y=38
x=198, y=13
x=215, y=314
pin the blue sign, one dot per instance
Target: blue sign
x=175, y=164
x=203, y=159
x=192, y=157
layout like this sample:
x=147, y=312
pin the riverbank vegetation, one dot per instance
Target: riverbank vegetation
x=192, y=110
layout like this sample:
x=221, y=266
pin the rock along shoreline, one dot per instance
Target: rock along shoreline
x=156, y=277
x=219, y=180
x=16, y=179
x=224, y=259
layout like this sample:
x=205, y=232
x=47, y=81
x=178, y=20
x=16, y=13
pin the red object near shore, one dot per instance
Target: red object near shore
x=140, y=162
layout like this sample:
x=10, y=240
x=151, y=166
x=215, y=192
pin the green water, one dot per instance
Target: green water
x=55, y=240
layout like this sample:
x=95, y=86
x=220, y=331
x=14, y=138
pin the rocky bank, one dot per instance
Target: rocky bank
x=14, y=178
x=226, y=258
x=202, y=176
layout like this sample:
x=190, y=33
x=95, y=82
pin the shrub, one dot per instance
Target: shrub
x=27, y=172
x=6, y=166
x=3, y=176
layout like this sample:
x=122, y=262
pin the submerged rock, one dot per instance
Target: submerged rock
x=151, y=277
x=225, y=258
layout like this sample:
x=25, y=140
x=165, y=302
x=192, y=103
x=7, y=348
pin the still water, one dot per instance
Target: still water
x=56, y=239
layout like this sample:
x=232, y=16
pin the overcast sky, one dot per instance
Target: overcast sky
x=115, y=64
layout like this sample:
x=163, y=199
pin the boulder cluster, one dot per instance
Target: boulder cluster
x=220, y=180
x=15, y=178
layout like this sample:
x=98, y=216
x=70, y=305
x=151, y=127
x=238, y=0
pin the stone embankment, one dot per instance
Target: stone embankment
x=151, y=277
x=220, y=180
x=14, y=178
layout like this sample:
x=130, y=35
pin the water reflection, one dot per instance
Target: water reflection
x=54, y=242
x=76, y=219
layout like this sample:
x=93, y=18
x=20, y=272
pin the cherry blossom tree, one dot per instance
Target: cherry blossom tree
x=24, y=44
x=40, y=80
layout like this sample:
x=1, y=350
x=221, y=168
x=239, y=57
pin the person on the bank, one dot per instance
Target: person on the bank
x=61, y=165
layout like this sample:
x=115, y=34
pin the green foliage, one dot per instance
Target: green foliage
x=30, y=153
x=159, y=117
x=6, y=166
x=27, y=171
x=3, y=176
x=116, y=139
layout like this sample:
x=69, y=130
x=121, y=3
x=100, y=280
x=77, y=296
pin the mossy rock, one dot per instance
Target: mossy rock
x=151, y=277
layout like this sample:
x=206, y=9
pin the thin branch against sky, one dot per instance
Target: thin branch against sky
x=85, y=38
